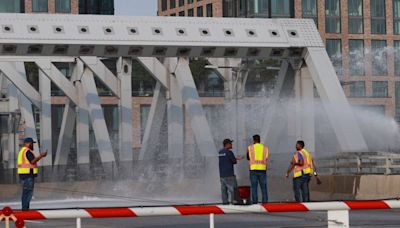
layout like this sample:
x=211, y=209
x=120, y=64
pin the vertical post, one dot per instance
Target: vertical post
x=82, y=117
x=125, y=109
x=175, y=115
x=212, y=225
x=78, y=222
x=358, y=164
x=7, y=222
x=388, y=165
x=45, y=118
x=12, y=137
x=338, y=219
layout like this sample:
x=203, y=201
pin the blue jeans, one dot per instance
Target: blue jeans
x=258, y=177
x=228, y=189
x=300, y=188
x=27, y=191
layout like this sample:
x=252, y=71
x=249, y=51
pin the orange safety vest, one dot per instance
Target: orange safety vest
x=24, y=166
x=299, y=170
x=258, y=154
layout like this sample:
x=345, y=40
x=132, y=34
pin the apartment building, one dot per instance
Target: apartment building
x=362, y=38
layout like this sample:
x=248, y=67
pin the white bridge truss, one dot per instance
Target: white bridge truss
x=163, y=45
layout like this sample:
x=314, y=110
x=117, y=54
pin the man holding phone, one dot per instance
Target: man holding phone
x=28, y=170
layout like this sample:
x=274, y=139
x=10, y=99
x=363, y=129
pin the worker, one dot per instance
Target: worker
x=257, y=154
x=28, y=170
x=227, y=160
x=303, y=168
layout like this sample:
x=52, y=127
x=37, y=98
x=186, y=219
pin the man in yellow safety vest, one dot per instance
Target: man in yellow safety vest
x=302, y=165
x=28, y=170
x=257, y=154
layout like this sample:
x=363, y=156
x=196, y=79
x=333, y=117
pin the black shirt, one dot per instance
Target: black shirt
x=30, y=156
x=226, y=161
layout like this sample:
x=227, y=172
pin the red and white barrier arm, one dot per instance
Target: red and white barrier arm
x=205, y=210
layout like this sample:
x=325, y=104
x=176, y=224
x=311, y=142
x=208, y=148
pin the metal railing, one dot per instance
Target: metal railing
x=337, y=212
x=360, y=163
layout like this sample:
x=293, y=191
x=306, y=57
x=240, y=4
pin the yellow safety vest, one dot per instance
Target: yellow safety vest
x=258, y=154
x=310, y=168
x=24, y=166
x=299, y=170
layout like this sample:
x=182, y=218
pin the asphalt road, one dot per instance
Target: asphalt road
x=375, y=218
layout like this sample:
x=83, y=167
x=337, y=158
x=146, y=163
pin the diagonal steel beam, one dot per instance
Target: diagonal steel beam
x=194, y=109
x=103, y=73
x=97, y=117
x=154, y=123
x=25, y=106
x=156, y=68
x=17, y=76
x=336, y=105
x=51, y=71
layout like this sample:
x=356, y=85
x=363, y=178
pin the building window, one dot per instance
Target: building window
x=163, y=5
x=332, y=12
x=357, y=89
x=200, y=11
x=396, y=16
x=380, y=89
x=309, y=10
x=190, y=12
x=282, y=8
x=172, y=14
x=230, y=8
x=356, y=24
x=182, y=13
x=356, y=57
x=379, y=57
x=334, y=50
x=63, y=6
x=190, y=1
x=257, y=8
x=378, y=17
x=396, y=57
x=181, y=3
x=40, y=6
x=397, y=101
x=104, y=7
x=209, y=8
x=242, y=8
x=144, y=114
x=172, y=4
x=111, y=117
x=11, y=6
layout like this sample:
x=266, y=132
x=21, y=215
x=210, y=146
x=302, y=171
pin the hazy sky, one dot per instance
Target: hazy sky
x=136, y=7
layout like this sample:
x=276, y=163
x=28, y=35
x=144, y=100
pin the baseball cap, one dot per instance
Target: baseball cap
x=29, y=140
x=227, y=141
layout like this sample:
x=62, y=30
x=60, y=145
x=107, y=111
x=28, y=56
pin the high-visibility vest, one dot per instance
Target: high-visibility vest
x=299, y=170
x=310, y=166
x=24, y=166
x=258, y=154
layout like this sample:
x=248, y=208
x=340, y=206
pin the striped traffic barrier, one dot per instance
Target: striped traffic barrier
x=337, y=211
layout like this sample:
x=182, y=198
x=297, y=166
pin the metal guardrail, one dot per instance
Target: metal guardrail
x=360, y=163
